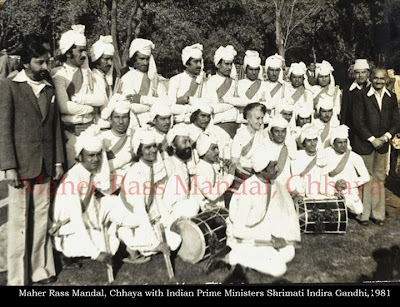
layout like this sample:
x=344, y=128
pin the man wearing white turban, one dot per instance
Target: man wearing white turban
x=274, y=83
x=302, y=116
x=325, y=120
x=141, y=194
x=83, y=208
x=262, y=227
x=186, y=87
x=345, y=171
x=117, y=140
x=210, y=181
x=296, y=91
x=361, y=72
x=101, y=56
x=75, y=89
x=141, y=84
x=326, y=85
x=222, y=90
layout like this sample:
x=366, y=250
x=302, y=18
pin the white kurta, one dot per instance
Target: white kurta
x=123, y=158
x=83, y=235
x=354, y=173
x=333, y=91
x=305, y=101
x=210, y=185
x=130, y=85
x=320, y=126
x=250, y=220
x=136, y=188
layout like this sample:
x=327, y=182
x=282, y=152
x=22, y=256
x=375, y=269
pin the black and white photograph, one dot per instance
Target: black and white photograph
x=200, y=149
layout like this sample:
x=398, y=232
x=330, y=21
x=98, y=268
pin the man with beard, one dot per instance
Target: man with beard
x=263, y=226
x=378, y=120
x=117, y=141
x=75, y=88
x=31, y=154
x=361, y=72
x=210, y=181
x=180, y=168
x=188, y=86
x=101, y=55
x=141, y=84
x=296, y=91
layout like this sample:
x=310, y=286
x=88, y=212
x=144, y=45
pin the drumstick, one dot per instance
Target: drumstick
x=167, y=259
x=110, y=272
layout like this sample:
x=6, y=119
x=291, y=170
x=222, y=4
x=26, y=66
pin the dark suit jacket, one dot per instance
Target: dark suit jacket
x=311, y=79
x=347, y=109
x=369, y=121
x=26, y=138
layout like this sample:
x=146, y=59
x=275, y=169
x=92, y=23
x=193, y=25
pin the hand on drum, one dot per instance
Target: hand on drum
x=340, y=185
x=278, y=242
x=163, y=248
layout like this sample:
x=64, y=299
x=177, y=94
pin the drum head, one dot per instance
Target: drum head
x=193, y=245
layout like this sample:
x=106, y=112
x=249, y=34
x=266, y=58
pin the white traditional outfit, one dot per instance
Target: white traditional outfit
x=349, y=167
x=147, y=85
x=274, y=91
x=325, y=69
x=141, y=195
x=118, y=146
x=209, y=182
x=80, y=218
x=76, y=91
x=257, y=212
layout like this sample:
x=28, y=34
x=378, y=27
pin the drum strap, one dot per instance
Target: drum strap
x=150, y=197
x=282, y=159
x=310, y=165
x=122, y=196
x=253, y=89
x=325, y=132
x=119, y=144
x=342, y=163
x=298, y=93
x=225, y=86
x=275, y=90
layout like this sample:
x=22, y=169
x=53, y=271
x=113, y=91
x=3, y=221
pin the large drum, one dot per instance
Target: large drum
x=322, y=215
x=202, y=235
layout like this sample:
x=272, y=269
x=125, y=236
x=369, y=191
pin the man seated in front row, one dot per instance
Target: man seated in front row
x=81, y=211
x=262, y=227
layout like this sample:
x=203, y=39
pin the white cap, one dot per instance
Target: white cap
x=194, y=51
x=103, y=46
x=159, y=109
x=360, y=64
x=308, y=131
x=274, y=61
x=180, y=129
x=227, y=53
x=203, y=144
x=90, y=140
x=117, y=103
x=202, y=105
x=325, y=102
x=252, y=59
x=278, y=122
x=325, y=68
x=298, y=69
x=142, y=136
x=72, y=37
x=340, y=132
x=304, y=112
x=262, y=156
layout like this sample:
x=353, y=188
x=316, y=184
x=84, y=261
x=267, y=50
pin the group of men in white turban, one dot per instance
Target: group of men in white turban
x=152, y=145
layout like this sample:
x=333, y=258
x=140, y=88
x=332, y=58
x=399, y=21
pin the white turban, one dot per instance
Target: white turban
x=253, y=60
x=204, y=143
x=278, y=122
x=117, y=103
x=203, y=106
x=159, y=109
x=324, y=69
x=103, y=46
x=72, y=37
x=90, y=140
x=340, y=132
x=284, y=106
x=262, y=156
x=194, y=51
x=227, y=53
x=275, y=61
x=304, y=112
x=142, y=136
x=308, y=131
x=360, y=64
x=144, y=46
x=298, y=69
x=180, y=129
x=325, y=102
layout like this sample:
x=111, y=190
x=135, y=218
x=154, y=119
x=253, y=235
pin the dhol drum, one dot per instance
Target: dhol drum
x=322, y=215
x=202, y=235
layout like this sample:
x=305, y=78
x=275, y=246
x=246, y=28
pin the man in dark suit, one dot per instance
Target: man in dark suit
x=378, y=120
x=31, y=155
